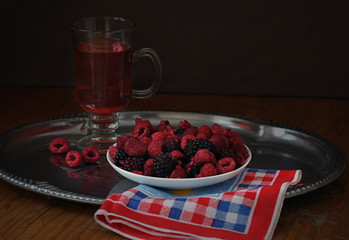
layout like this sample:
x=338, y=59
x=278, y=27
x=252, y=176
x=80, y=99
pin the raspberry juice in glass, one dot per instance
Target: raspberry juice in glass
x=103, y=58
x=103, y=80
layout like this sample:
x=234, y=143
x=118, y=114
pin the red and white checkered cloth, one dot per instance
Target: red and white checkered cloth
x=245, y=207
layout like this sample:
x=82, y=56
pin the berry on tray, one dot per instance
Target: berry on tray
x=59, y=145
x=188, y=151
x=73, y=158
x=91, y=154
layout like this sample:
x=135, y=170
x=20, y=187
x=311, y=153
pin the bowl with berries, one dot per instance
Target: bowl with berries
x=179, y=158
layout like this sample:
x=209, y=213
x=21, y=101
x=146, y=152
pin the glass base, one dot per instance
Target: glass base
x=102, y=132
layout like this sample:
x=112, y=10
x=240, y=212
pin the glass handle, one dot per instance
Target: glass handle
x=148, y=52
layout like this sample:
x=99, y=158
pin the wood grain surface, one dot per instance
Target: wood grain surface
x=321, y=214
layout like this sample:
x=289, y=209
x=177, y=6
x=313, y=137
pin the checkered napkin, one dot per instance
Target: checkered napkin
x=245, y=207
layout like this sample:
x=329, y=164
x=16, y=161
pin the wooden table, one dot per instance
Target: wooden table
x=321, y=214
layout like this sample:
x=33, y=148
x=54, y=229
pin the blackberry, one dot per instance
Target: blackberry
x=194, y=170
x=134, y=164
x=163, y=165
x=170, y=145
x=120, y=157
x=179, y=132
x=195, y=145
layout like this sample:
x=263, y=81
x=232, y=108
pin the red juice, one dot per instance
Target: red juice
x=103, y=80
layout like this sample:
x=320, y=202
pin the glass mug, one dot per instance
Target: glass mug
x=103, y=58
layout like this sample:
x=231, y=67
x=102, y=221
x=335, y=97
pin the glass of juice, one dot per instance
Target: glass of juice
x=103, y=59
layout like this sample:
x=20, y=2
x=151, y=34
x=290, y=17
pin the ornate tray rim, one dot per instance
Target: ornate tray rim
x=52, y=191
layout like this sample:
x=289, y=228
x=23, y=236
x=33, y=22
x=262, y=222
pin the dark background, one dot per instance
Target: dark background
x=256, y=48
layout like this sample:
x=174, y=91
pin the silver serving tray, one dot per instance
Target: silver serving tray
x=26, y=161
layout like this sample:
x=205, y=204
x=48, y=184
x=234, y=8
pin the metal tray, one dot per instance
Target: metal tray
x=26, y=161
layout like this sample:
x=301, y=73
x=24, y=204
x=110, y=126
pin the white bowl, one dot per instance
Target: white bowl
x=179, y=183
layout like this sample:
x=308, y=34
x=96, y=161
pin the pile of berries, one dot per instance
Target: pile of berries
x=187, y=151
x=74, y=158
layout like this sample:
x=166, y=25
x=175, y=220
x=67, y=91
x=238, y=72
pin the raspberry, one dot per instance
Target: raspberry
x=113, y=151
x=195, y=145
x=219, y=142
x=155, y=148
x=238, y=149
x=204, y=156
x=225, y=165
x=133, y=164
x=140, y=131
x=59, y=145
x=120, y=157
x=145, y=140
x=144, y=123
x=91, y=154
x=171, y=135
x=187, y=128
x=148, y=167
x=216, y=129
x=134, y=147
x=177, y=155
x=163, y=165
x=120, y=141
x=184, y=124
x=201, y=135
x=235, y=138
x=190, y=131
x=178, y=172
x=170, y=145
x=164, y=126
x=158, y=136
x=73, y=159
x=226, y=132
x=205, y=130
x=142, y=128
x=185, y=139
x=207, y=170
x=240, y=154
